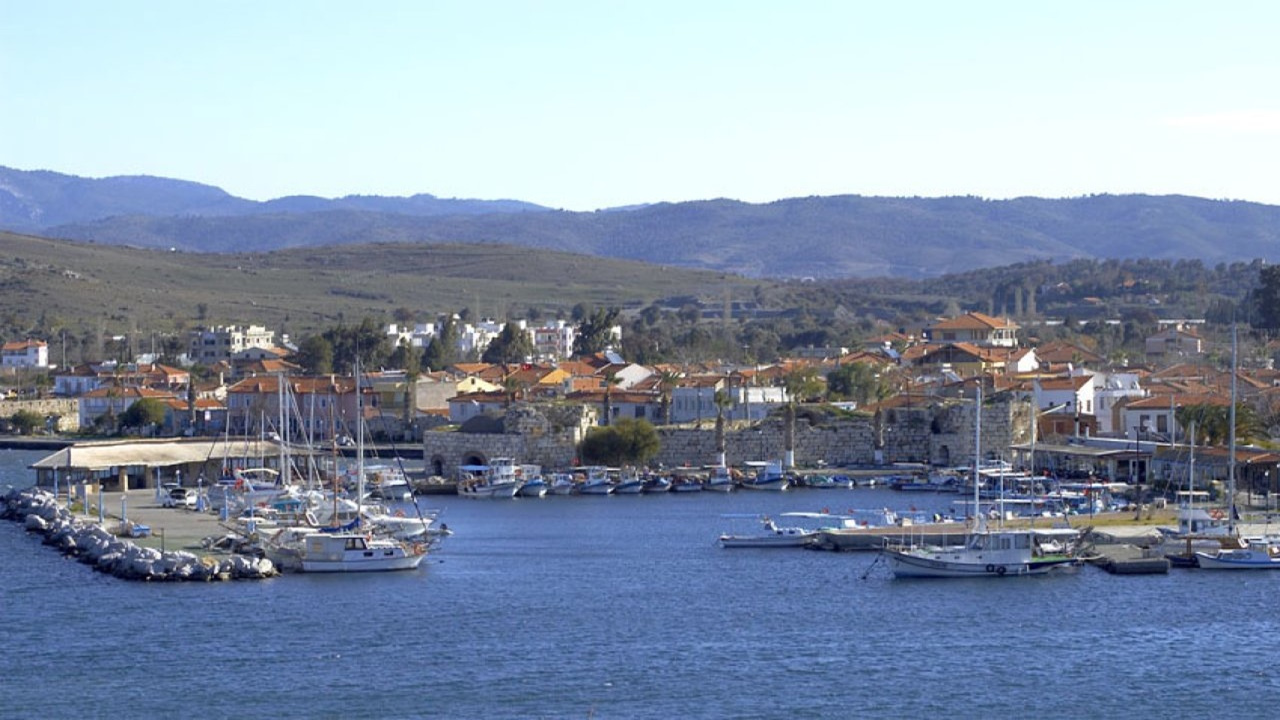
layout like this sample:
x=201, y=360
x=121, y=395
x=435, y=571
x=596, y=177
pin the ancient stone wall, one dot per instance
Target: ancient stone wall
x=941, y=434
x=546, y=436
x=67, y=410
x=1005, y=422
x=835, y=443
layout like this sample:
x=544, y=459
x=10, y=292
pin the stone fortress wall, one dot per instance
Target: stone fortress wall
x=940, y=434
x=66, y=410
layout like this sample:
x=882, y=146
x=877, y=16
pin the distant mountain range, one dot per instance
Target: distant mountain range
x=840, y=236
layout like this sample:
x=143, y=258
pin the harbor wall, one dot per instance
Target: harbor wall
x=66, y=410
x=835, y=443
x=939, y=434
x=546, y=436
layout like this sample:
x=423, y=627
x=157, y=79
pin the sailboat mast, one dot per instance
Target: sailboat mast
x=359, y=445
x=1231, y=441
x=286, y=470
x=1191, y=465
x=977, y=452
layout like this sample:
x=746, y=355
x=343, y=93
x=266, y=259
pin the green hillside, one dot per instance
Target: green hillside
x=55, y=284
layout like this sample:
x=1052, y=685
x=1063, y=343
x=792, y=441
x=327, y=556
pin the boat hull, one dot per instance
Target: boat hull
x=534, y=490
x=768, y=541
x=905, y=564
x=1235, y=560
x=503, y=490
x=389, y=564
x=345, y=553
x=774, y=485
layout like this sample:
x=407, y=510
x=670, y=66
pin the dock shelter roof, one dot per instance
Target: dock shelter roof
x=1085, y=451
x=105, y=455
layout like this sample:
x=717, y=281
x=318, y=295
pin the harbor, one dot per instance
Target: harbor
x=1120, y=541
x=588, y=605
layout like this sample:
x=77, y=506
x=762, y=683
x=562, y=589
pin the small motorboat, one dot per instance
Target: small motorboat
x=772, y=535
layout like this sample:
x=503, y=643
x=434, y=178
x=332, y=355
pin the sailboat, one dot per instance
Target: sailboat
x=354, y=549
x=1000, y=552
x=1251, y=553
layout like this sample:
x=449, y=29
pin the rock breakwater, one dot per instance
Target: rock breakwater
x=92, y=544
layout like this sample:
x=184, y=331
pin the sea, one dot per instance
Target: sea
x=626, y=607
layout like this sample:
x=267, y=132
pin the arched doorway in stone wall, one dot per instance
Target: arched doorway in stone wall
x=436, y=467
x=474, y=458
x=944, y=456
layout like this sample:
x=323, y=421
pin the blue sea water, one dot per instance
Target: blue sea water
x=625, y=607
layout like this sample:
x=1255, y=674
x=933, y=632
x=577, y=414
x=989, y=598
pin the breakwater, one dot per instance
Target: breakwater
x=92, y=544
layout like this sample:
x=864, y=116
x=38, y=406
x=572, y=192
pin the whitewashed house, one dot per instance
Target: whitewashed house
x=25, y=354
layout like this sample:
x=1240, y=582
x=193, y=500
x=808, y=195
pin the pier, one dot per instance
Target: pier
x=123, y=544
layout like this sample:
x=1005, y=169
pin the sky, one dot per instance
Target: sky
x=583, y=105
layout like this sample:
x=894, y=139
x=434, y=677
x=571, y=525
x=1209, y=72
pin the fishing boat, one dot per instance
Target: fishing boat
x=534, y=487
x=1257, y=554
x=386, y=482
x=772, y=535
x=987, y=552
x=532, y=483
x=597, y=481
x=768, y=476
x=497, y=480
x=829, y=482
x=720, y=480
x=562, y=484
x=657, y=484
x=990, y=553
x=631, y=483
x=684, y=484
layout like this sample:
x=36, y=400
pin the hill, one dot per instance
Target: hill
x=59, y=284
x=823, y=237
x=34, y=201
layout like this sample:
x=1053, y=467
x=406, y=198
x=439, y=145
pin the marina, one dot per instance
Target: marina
x=677, y=600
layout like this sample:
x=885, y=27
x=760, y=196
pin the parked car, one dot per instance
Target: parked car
x=180, y=497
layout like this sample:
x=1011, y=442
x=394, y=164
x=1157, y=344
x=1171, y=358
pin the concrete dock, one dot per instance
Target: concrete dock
x=171, y=528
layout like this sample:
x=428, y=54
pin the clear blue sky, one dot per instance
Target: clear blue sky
x=584, y=105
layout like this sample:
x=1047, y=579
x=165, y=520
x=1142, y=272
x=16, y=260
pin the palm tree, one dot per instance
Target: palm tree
x=723, y=402
x=1214, y=425
x=800, y=383
x=668, y=380
x=511, y=387
x=610, y=380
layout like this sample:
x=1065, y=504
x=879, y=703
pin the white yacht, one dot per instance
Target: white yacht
x=357, y=552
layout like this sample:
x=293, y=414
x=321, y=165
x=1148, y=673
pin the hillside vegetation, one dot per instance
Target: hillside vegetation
x=821, y=237
x=828, y=237
x=57, y=284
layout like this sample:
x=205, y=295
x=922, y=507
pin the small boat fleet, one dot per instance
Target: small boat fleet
x=504, y=478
